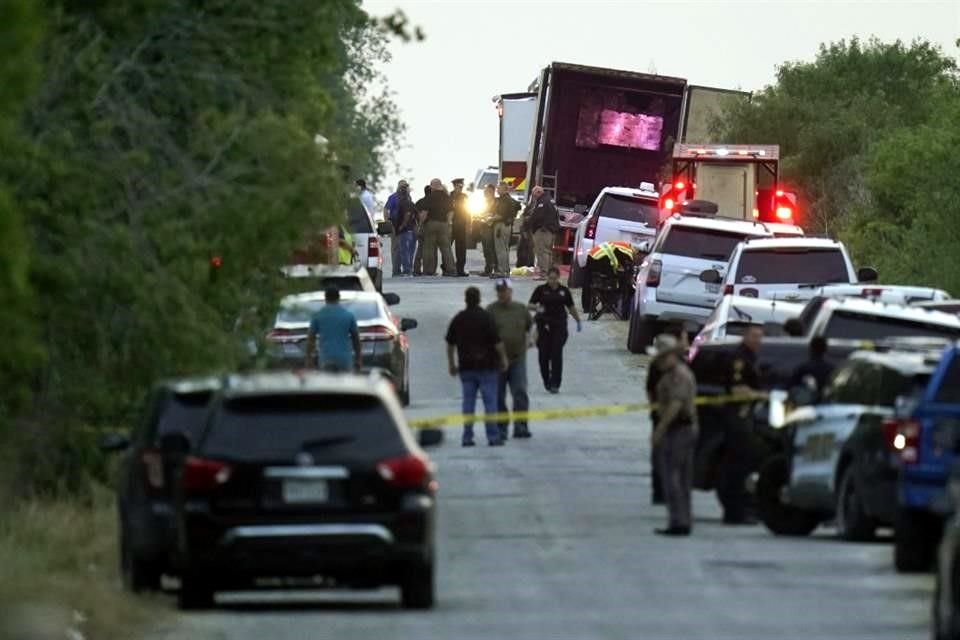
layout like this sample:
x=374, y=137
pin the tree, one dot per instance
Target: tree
x=827, y=114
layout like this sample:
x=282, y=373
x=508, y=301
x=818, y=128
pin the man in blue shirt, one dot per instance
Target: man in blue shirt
x=335, y=329
x=392, y=212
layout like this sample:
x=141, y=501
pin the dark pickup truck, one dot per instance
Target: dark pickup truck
x=779, y=357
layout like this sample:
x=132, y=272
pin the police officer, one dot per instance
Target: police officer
x=742, y=377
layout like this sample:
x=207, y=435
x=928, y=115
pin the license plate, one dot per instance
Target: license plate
x=713, y=288
x=292, y=349
x=303, y=491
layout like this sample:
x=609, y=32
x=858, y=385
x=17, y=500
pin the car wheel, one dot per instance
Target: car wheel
x=914, y=541
x=781, y=518
x=853, y=523
x=575, y=280
x=418, y=587
x=196, y=593
x=139, y=575
x=640, y=333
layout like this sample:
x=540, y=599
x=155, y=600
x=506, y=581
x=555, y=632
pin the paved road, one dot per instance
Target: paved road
x=551, y=538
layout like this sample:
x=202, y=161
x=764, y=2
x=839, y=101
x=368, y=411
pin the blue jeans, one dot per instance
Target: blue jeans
x=515, y=378
x=486, y=383
x=408, y=243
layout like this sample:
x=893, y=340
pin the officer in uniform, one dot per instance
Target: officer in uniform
x=742, y=377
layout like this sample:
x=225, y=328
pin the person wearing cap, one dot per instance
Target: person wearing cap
x=505, y=212
x=675, y=434
x=473, y=338
x=514, y=325
x=461, y=225
x=543, y=222
x=654, y=372
x=435, y=214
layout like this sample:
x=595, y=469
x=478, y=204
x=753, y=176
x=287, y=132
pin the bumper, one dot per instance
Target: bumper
x=365, y=552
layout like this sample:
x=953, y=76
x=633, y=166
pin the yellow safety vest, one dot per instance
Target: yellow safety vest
x=345, y=248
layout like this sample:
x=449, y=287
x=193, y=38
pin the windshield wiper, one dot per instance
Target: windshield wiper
x=327, y=442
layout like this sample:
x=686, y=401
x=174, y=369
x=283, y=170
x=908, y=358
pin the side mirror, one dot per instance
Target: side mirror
x=385, y=228
x=391, y=298
x=430, y=437
x=867, y=274
x=175, y=445
x=645, y=246
x=408, y=323
x=711, y=276
x=113, y=442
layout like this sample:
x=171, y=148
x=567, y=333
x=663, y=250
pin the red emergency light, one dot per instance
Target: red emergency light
x=675, y=193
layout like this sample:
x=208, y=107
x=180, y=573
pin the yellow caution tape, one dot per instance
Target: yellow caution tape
x=457, y=419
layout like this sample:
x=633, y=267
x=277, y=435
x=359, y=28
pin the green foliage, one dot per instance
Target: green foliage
x=163, y=133
x=827, y=114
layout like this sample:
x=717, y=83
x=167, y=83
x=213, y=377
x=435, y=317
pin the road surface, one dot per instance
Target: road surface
x=551, y=538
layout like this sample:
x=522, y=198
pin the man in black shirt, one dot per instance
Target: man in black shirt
x=420, y=205
x=543, y=221
x=435, y=214
x=480, y=357
x=505, y=212
x=461, y=225
x=551, y=302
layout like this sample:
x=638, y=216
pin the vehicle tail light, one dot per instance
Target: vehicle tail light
x=750, y=293
x=406, y=472
x=591, y=231
x=868, y=293
x=152, y=461
x=653, y=276
x=282, y=333
x=373, y=247
x=376, y=333
x=728, y=290
x=200, y=474
x=902, y=436
x=784, y=213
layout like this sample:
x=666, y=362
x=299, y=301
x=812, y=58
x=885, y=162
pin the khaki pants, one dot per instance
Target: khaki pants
x=543, y=249
x=501, y=244
x=437, y=235
x=676, y=472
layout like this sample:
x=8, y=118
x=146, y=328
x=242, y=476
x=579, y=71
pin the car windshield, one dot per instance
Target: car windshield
x=708, y=244
x=792, y=265
x=358, y=220
x=620, y=207
x=486, y=178
x=301, y=312
x=857, y=326
x=331, y=427
x=184, y=412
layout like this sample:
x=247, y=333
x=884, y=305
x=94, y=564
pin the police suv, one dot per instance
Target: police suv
x=787, y=268
x=668, y=285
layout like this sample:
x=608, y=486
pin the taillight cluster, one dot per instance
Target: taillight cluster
x=200, y=474
x=373, y=247
x=377, y=332
x=591, y=231
x=653, y=276
x=405, y=472
x=902, y=436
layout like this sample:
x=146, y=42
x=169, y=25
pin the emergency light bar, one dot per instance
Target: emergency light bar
x=726, y=152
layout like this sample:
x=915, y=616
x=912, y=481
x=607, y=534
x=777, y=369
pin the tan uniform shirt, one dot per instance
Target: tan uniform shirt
x=678, y=384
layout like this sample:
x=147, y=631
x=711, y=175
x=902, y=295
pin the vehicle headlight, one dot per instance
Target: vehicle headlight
x=476, y=203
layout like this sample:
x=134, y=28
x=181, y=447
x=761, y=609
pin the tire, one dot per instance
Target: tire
x=640, y=333
x=196, y=593
x=418, y=588
x=853, y=523
x=781, y=519
x=139, y=575
x=914, y=541
x=575, y=281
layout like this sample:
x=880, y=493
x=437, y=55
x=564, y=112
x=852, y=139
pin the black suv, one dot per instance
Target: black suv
x=145, y=497
x=311, y=476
